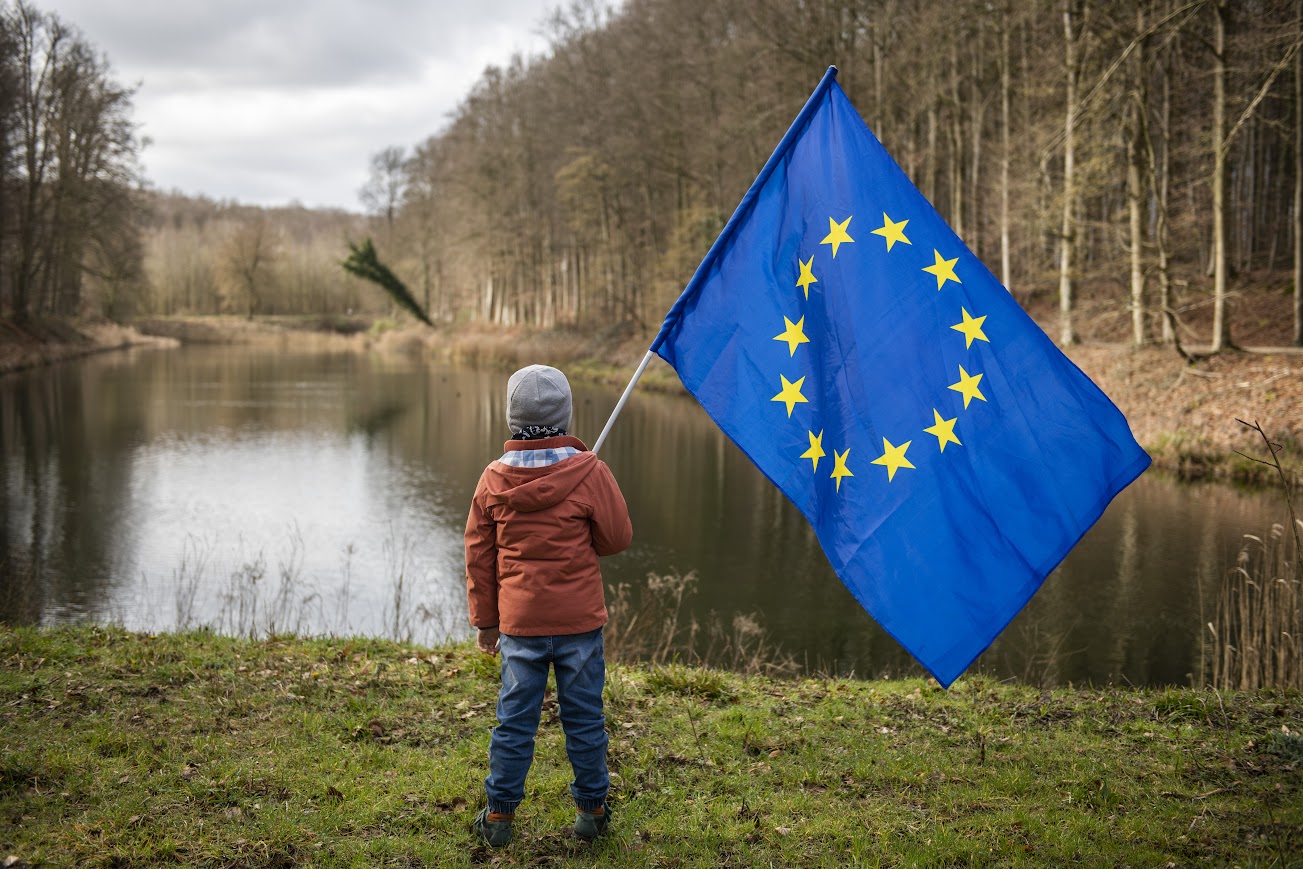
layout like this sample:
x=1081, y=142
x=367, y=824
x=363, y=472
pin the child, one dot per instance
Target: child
x=540, y=517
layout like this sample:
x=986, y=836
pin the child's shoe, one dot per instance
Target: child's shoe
x=590, y=825
x=494, y=828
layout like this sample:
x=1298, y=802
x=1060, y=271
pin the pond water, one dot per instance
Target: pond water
x=251, y=490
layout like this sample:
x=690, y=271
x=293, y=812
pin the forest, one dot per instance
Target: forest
x=1138, y=160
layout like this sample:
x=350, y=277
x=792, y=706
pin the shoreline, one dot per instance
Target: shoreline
x=38, y=344
x=1183, y=414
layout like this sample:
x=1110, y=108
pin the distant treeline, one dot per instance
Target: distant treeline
x=206, y=257
x=81, y=236
x=1146, y=150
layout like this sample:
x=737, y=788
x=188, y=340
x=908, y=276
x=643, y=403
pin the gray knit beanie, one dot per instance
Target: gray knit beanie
x=538, y=395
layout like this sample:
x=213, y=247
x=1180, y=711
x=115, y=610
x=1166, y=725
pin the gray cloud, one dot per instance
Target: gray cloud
x=294, y=42
x=271, y=100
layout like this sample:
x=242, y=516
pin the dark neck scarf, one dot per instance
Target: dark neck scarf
x=537, y=432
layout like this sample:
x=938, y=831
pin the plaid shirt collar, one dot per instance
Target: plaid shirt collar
x=537, y=458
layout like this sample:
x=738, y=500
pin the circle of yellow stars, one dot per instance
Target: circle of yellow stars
x=894, y=457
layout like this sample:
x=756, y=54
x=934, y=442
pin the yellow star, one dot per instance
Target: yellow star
x=807, y=276
x=893, y=458
x=944, y=269
x=791, y=394
x=839, y=468
x=892, y=232
x=967, y=386
x=794, y=335
x=815, y=452
x=837, y=234
x=972, y=329
x=944, y=430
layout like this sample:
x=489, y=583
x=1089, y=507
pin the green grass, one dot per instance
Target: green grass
x=118, y=749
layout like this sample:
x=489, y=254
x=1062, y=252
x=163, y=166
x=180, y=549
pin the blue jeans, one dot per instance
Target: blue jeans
x=580, y=676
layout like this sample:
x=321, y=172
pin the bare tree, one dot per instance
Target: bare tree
x=41, y=40
x=383, y=191
x=69, y=167
x=246, y=264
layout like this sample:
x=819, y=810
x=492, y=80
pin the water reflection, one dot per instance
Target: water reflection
x=60, y=485
x=323, y=493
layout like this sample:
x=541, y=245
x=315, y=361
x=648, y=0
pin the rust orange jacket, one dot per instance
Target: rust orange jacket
x=533, y=538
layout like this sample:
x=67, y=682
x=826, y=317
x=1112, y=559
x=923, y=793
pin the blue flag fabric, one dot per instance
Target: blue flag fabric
x=945, y=451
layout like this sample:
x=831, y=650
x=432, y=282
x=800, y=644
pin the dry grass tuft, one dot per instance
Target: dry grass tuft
x=649, y=624
x=1257, y=632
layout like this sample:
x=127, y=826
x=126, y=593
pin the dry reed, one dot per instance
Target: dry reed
x=1259, y=622
x=649, y=624
x=1257, y=631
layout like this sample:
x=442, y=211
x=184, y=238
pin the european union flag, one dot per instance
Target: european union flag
x=945, y=451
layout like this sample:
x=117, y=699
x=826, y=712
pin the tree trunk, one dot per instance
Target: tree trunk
x=1221, y=337
x=36, y=153
x=1006, y=271
x=1134, y=202
x=1066, y=333
x=1298, y=180
x=1135, y=192
x=879, y=125
x=930, y=172
x=978, y=121
x=1166, y=302
x=955, y=161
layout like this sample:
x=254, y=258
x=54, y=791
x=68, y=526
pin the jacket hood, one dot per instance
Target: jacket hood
x=527, y=490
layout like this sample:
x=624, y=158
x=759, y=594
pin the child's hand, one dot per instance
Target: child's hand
x=486, y=640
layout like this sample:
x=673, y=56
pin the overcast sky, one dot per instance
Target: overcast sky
x=270, y=101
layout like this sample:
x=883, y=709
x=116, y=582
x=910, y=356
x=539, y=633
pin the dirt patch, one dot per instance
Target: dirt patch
x=1185, y=414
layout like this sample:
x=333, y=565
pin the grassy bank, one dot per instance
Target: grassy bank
x=129, y=750
x=44, y=342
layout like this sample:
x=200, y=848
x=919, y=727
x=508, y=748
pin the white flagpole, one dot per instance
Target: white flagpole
x=619, y=405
